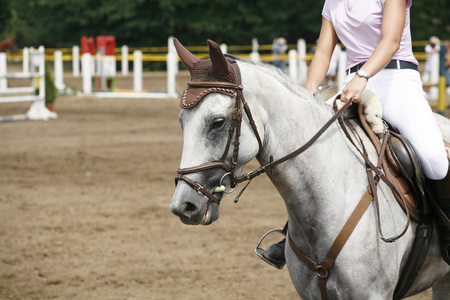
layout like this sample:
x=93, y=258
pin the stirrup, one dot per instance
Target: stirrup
x=260, y=251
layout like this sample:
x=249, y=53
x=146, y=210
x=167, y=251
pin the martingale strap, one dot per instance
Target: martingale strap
x=375, y=174
x=323, y=269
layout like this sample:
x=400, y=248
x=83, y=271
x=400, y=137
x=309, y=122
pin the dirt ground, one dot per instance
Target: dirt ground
x=84, y=209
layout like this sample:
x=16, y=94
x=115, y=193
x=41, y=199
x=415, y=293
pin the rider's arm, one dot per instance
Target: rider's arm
x=321, y=60
x=391, y=34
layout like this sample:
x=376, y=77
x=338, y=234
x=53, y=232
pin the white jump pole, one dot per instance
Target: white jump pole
x=254, y=56
x=137, y=71
x=58, y=65
x=38, y=111
x=124, y=60
x=302, y=67
x=293, y=72
x=224, y=48
x=3, y=71
x=86, y=68
x=26, y=60
x=76, y=61
x=434, y=76
x=172, y=68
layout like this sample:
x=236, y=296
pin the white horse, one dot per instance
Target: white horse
x=320, y=187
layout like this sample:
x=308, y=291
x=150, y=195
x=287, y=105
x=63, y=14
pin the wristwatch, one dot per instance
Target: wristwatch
x=363, y=73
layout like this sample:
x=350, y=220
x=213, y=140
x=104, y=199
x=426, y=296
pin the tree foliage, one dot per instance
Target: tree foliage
x=61, y=23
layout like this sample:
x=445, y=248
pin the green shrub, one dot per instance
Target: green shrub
x=50, y=88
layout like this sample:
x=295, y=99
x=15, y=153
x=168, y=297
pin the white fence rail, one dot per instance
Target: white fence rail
x=34, y=70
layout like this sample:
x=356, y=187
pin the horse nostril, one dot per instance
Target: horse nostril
x=188, y=207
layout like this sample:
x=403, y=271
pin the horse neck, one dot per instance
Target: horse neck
x=314, y=184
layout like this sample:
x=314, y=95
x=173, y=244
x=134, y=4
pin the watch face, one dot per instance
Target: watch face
x=363, y=73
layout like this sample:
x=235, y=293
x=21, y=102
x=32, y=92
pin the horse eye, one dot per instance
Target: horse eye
x=218, y=123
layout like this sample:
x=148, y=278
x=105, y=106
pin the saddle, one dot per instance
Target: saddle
x=402, y=166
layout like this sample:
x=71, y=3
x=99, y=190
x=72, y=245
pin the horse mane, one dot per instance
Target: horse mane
x=286, y=80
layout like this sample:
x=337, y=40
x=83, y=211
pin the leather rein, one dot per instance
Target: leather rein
x=323, y=269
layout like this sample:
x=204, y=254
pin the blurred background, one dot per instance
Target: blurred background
x=138, y=23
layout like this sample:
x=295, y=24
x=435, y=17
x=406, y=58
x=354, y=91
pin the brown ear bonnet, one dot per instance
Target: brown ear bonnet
x=204, y=73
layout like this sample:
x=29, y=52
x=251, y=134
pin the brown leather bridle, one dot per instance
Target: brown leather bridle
x=235, y=130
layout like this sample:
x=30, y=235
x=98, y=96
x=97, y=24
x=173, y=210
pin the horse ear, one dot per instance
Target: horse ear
x=188, y=59
x=220, y=64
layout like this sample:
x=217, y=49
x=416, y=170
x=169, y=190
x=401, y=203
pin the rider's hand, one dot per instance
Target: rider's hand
x=352, y=91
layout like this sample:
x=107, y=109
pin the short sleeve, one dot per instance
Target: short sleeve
x=326, y=10
x=408, y=3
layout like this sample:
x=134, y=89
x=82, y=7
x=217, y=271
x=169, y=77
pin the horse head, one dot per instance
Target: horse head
x=215, y=148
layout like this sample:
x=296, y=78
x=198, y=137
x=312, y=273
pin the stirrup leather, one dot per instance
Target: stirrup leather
x=260, y=251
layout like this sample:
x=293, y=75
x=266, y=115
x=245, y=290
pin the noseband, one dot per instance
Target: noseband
x=235, y=89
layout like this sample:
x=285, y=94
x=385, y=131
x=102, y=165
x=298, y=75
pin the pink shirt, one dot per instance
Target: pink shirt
x=358, y=26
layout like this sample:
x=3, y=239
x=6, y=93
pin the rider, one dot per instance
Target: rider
x=378, y=43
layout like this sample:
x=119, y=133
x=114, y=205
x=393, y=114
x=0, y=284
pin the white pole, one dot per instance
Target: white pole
x=293, y=64
x=302, y=67
x=124, y=60
x=171, y=49
x=172, y=59
x=172, y=68
x=41, y=50
x=59, y=81
x=137, y=71
x=254, y=56
x=3, y=71
x=26, y=60
x=341, y=70
x=434, y=76
x=86, y=68
x=224, y=48
x=37, y=110
x=76, y=61
x=170, y=45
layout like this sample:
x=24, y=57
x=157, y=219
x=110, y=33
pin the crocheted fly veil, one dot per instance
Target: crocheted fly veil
x=204, y=73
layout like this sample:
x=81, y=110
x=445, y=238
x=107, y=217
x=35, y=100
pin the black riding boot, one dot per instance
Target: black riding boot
x=275, y=253
x=439, y=191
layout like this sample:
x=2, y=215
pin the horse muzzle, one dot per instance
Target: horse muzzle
x=192, y=207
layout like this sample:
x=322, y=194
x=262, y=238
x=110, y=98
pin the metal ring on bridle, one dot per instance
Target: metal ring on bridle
x=220, y=183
